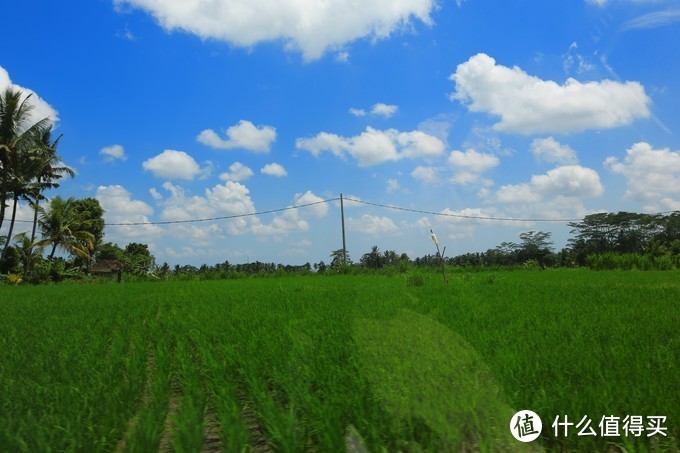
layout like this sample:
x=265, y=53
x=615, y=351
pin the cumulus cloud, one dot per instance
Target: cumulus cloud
x=469, y=166
x=274, y=169
x=113, y=152
x=228, y=199
x=244, y=135
x=652, y=176
x=318, y=210
x=569, y=181
x=237, y=172
x=41, y=109
x=379, y=109
x=473, y=161
x=551, y=151
x=310, y=26
x=171, y=164
x=372, y=225
x=529, y=105
x=293, y=220
x=120, y=207
x=426, y=175
x=373, y=147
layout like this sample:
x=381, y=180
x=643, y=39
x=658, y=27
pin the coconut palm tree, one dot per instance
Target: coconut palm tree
x=48, y=169
x=64, y=229
x=17, y=136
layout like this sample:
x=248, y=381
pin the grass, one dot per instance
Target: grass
x=296, y=363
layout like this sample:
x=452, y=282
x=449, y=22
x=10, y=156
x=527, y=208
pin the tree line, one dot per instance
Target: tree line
x=29, y=166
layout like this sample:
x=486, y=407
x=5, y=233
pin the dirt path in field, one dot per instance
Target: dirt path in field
x=212, y=443
x=258, y=440
x=146, y=399
x=165, y=444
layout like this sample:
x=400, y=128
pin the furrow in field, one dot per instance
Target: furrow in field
x=166, y=442
x=258, y=439
x=146, y=400
x=212, y=442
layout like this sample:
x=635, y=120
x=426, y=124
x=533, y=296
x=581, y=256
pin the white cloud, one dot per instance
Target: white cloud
x=171, y=164
x=468, y=166
x=349, y=202
x=426, y=175
x=384, y=110
x=342, y=57
x=379, y=109
x=274, y=169
x=573, y=61
x=569, y=181
x=529, y=105
x=155, y=194
x=602, y=3
x=244, y=135
x=653, y=20
x=392, y=185
x=311, y=26
x=120, y=207
x=113, y=152
x=652, y=175
x=293, y=220
x=237, y=172
x=282, y=225
x=473, y=161
x=551, y=151
x=318, y=210
x=323, y=141
x=372, y=225
x=41, y=109
x=228, y=199
x=373, y=147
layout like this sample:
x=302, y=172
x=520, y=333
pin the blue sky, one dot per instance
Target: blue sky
x=516, y=109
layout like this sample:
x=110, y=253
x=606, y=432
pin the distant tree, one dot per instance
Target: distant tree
x=163, y=270
x=535, y=245
x=91, y=215
x=372, y=259
x=320, y=267
x=62, y=228
x=137, y=259
x=337, y=258
x=109, y=251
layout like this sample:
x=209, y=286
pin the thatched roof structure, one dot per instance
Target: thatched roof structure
x=106, y=267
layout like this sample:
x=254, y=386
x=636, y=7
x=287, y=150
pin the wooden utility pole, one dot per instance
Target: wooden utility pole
x=342, y=216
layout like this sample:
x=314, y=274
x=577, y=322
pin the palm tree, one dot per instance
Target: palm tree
x=47, y=171
x=16, y=137
x=27, y=251
x=63, y=228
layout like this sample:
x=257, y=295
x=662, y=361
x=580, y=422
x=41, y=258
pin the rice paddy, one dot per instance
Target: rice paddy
x=339, y=363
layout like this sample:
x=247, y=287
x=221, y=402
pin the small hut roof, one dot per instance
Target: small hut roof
x=106, y=266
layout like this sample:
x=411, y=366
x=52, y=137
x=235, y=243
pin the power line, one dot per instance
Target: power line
x=460, y=216
x=354, y=200
x=227, y=217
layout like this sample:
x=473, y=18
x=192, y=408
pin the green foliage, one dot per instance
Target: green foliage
x=415, y=279
x=632, y=261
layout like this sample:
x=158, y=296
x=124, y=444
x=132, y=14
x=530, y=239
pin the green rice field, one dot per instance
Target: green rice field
x=340, y=363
